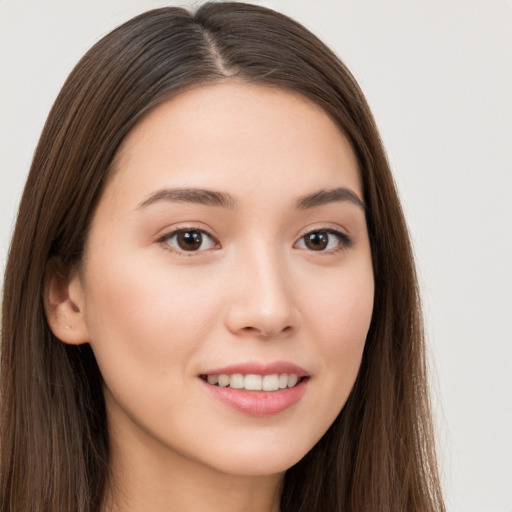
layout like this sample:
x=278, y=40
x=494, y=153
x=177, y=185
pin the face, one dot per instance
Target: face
x=227, y=286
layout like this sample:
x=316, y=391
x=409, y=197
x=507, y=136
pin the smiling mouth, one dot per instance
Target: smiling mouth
x=254, y=382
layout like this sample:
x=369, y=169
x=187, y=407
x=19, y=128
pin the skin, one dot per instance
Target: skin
x=157, y=316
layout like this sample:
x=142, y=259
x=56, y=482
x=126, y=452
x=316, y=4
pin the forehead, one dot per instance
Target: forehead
x=236, y=137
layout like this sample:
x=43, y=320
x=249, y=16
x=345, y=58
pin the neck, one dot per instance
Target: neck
x=160, y=481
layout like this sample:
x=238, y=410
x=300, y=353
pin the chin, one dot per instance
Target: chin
x=262, y=459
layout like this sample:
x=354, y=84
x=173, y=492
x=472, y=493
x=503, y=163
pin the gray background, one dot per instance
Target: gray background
x=438, y=76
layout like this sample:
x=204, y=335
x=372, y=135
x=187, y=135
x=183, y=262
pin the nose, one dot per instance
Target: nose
x=262, y=301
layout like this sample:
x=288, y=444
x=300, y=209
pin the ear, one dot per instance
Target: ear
x=64, y=304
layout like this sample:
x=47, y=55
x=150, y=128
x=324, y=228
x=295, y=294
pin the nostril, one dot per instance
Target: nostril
x=276, y=332
x=266, y=333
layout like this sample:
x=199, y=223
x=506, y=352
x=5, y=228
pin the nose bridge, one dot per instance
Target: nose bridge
x=262, y=299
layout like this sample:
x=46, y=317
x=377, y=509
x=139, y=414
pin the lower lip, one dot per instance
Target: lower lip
x=258, y=403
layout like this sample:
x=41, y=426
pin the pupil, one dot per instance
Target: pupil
x=317, y=241
x=190, y=240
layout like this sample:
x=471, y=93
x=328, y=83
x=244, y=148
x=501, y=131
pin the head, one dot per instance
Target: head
x=54, y=399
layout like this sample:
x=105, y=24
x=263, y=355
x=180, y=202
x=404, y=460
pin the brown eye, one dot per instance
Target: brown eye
x=324, y=240
x=317, y=241
x=190, y=240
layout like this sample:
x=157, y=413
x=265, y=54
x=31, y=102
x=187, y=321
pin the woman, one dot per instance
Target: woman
x=210, y=299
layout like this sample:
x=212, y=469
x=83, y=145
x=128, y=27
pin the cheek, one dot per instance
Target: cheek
x=146, y=320
x=340, y=306
x=339, y=319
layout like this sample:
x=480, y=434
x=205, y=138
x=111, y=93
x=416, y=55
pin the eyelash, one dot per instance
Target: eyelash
x=177, y=232
x=344, y=241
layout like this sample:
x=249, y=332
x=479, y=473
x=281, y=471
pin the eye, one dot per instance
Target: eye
x=189, y=240
x=326, y=240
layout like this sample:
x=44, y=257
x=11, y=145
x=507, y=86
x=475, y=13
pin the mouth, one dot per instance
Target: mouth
x=254, y=382
x=257, y=389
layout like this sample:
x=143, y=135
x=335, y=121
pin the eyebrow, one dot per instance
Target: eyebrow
x=225, y=200
x=191, y=195
x=329, y=196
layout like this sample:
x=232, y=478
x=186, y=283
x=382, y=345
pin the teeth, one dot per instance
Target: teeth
x=270, y=383
x=252, y=382
x=236, y=381
x=292, y=380
x=212, y=379
x=223, y=381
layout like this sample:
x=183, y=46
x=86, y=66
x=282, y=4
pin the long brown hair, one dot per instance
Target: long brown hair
x=379, y=453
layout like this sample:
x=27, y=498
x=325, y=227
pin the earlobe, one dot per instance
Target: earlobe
x=64, y=304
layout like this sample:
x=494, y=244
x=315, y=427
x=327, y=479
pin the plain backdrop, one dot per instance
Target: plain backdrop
x=438, y=76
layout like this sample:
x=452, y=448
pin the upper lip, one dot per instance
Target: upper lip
x=256, y=368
